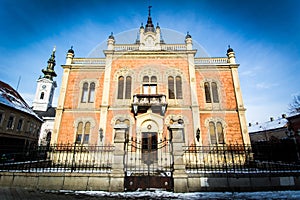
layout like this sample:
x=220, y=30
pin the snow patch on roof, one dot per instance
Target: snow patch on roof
x=10, y=97
x=269, y=125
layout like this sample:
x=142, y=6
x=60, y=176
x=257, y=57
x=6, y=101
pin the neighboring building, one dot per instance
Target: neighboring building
x=277, y=139
x=19, y=125
x=294, y=124
x=42, y=103
x=273, y=130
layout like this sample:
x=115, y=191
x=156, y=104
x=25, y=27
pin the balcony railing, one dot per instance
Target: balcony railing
x=142, y=102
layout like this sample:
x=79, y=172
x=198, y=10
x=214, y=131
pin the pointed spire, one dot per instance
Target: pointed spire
x=149, y=11
x=49, y=72
x=149, y=25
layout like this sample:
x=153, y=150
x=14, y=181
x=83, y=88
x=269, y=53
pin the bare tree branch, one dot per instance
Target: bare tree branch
x=294, y=107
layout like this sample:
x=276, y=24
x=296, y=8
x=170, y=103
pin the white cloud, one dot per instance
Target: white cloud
x=264, y=85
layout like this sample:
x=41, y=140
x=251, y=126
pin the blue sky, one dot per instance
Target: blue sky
x=264, y=34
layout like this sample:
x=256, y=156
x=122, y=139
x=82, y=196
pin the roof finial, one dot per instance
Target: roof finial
x=111, y=36
x=229, y=49
x=71, y=50
x=149, y=26
x=149, y=10
x=188, y=35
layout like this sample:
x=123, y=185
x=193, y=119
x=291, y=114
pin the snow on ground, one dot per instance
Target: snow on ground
x=196, y=195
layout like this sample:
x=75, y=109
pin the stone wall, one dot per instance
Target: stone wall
x=104, y=182
x=56, y=181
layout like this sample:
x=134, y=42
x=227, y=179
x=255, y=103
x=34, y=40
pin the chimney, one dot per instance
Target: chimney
x=250, y=124
x=271, y=119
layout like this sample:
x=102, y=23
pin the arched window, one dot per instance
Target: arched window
x=178, y=87
x=207, y=92
x=171, y=87
x=175, y=87
x=87, y=130
x=153, y=79
x=149, y=85
x=153, y=85
x=83, y=133
x=212, y=133
x=79, y=133
x=146, y=79
x=42, y=95
x=120, y=87
x=214, y=89
x=128, y=88
x=220, y=133
x=211, y=92
x=124, y=87
x=216, y=133
x=84, y=95
x=92, y=93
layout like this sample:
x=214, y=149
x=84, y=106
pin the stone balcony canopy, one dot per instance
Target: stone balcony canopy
x=156, y=102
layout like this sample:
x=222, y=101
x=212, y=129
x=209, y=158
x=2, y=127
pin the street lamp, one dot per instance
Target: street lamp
x=101, y=134
x=198, y=134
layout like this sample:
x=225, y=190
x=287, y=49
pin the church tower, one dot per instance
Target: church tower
x=45, y=87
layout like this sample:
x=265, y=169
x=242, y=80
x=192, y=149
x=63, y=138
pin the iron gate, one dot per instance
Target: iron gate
x=148, y=163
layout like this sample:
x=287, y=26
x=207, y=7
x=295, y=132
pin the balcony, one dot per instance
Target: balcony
x=142, y=102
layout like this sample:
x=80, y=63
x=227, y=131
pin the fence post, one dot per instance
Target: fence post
x=179, y=175
x=73, y=166
x=117, y=175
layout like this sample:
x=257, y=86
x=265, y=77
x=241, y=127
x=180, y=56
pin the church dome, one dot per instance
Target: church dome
x=229, y=49
x=71, y=50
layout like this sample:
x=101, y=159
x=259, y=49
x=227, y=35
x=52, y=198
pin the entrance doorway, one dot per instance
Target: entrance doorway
x=149, y=147
x=148, y=163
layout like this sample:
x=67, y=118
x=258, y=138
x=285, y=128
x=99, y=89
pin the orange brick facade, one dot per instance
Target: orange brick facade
x=107, y=113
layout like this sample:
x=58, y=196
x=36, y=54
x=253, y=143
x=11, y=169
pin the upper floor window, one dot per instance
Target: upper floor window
x=175, y=87
x=10, y=122
x=88, y=92
x=124, y=87
x=42, y=95
x=92, y=93
x=19, y=125
x=216, y=133
x=211, y=92
x=83, y=133
x=1, y=117
x=149, y=85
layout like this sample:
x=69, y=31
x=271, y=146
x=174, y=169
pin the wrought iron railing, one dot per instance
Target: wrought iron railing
x=231, y=159
x=60, y=158
x=215, y=159
x=156, y=161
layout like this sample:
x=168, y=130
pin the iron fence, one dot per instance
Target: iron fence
x=157, y=160
x=232, y=159
x=60, y=158
x=223, y=159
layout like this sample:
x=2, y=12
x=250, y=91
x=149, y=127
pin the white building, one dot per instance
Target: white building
x=42, y=103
